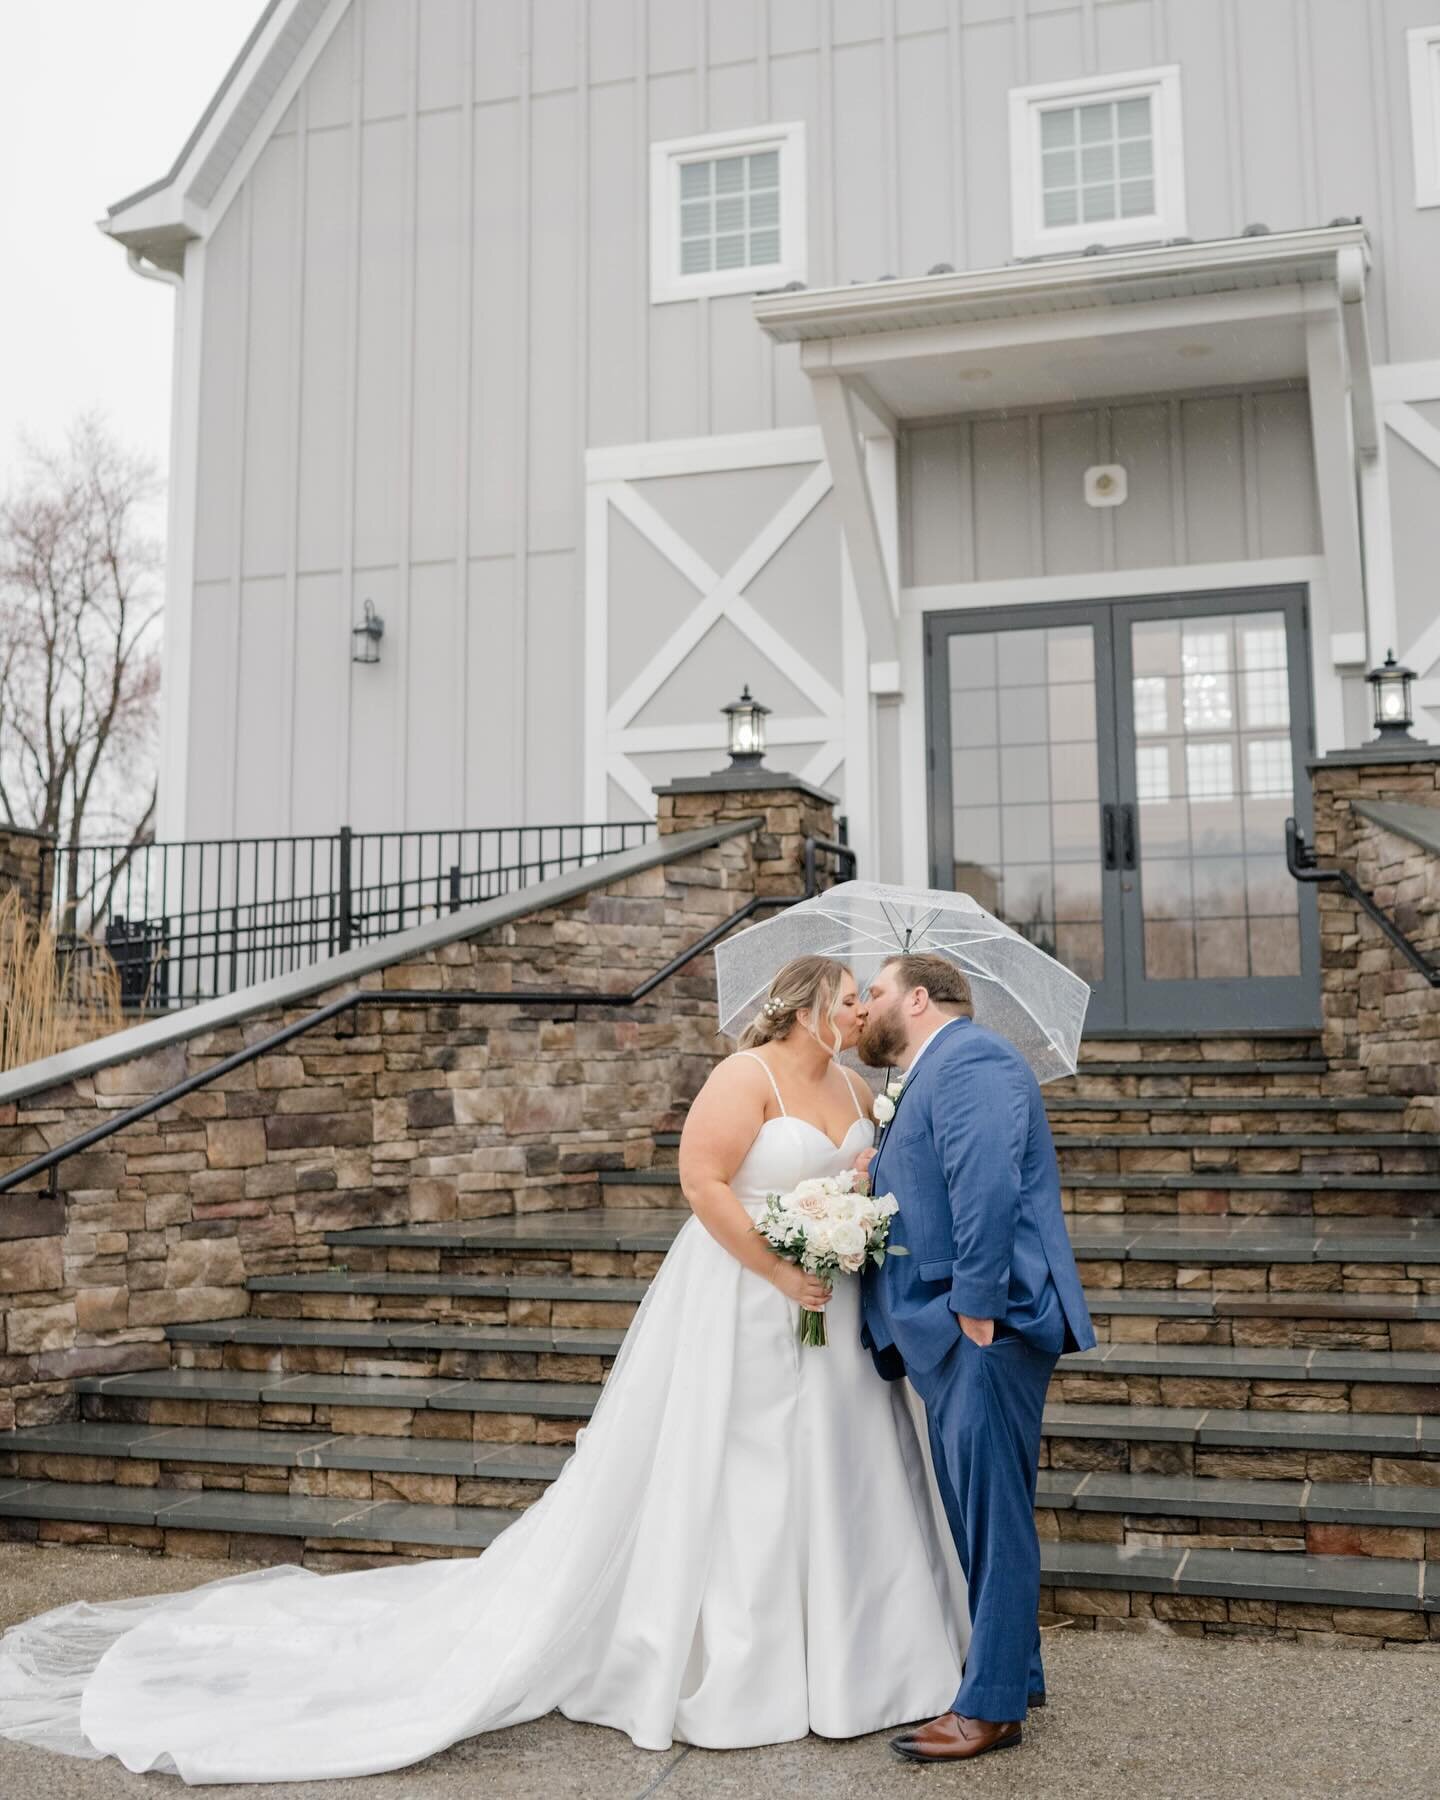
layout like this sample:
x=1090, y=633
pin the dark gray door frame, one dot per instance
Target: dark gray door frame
x=1126, y=998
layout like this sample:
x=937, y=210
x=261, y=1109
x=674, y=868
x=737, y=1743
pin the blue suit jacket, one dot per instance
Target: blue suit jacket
x=970, y=1160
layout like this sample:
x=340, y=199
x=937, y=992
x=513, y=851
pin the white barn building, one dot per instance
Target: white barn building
x=1037, y=402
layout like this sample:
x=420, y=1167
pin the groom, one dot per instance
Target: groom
x=975, y=1315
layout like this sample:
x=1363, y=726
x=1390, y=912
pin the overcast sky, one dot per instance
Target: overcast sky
x=96, y=98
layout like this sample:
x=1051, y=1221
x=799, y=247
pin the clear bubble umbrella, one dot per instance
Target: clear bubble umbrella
x=1018, y=990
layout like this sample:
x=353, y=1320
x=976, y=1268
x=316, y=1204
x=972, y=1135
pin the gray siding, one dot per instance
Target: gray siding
x=1213, y=478
x=431, y=294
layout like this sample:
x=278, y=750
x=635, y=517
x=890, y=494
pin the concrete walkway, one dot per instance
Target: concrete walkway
x=1150, y=1716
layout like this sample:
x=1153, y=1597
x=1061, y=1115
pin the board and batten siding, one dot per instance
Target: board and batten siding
x=430, y=295
x=1211, y=478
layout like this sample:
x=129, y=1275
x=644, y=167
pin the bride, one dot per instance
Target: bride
x=746, y=1546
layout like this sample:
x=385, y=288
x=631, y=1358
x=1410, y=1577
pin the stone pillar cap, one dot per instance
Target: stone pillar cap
x=747, y=781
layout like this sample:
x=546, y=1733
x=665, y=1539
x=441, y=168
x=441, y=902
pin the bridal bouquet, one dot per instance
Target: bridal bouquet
x=830, y=1225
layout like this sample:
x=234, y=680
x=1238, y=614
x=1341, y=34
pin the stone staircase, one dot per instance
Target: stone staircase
x=1254, y=1446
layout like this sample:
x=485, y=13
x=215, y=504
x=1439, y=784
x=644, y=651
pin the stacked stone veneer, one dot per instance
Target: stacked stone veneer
x=22, y=854
x=385, y=1116
x=1381, y=1017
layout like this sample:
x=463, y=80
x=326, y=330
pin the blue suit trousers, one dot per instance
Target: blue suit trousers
x=985, y=1407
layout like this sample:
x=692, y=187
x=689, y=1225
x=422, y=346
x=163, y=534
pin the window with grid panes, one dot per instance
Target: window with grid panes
x=1097, y=162
x=729, y=213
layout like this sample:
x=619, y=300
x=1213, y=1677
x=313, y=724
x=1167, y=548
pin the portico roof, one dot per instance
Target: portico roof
x=1163, y=319
x=1099, y=325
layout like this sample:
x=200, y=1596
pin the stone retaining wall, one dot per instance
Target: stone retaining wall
x=387, y=1116
x=1381, y=1018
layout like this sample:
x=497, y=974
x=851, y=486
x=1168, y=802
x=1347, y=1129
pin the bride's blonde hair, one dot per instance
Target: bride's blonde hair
x=809, y=983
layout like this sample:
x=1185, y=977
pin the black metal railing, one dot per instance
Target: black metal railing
x=566, y=999
x=189, y=921
x=1300, y=860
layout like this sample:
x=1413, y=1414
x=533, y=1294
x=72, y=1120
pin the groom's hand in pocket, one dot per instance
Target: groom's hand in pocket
x=979, y=1331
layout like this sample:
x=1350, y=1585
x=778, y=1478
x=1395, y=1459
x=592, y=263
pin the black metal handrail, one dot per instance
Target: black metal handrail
x=837, y=848
x=193, y=920
x=357, y=997
x=1300, y=860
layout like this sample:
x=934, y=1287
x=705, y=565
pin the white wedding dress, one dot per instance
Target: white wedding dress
x=746, y=1546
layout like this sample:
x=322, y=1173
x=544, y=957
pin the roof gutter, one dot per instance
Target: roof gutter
x=1034, y=287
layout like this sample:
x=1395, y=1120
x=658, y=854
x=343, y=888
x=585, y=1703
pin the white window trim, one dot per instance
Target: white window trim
x=666, y=283
x=1032, y=237
x=1422, y=44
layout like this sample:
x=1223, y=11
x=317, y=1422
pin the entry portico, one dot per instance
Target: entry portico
x=1181, y=443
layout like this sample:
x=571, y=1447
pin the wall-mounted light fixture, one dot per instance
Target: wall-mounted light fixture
x=365, y=637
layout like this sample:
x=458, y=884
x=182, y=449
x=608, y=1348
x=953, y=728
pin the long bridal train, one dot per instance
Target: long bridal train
x=747, y=1545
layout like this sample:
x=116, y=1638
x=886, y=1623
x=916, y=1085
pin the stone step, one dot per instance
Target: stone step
x=374, y=1347
x=1313, y=1143
x=1298, y=1515
x=1227, y=1376
x=1267, y=1320
x=1214, y=1443
x=1367, y=1600
x=163, y=1518
x=1257, y=1254
x=1185, y=1252
x=1352, y=1111
x=562, y=1301
x=345, y=1466
x=1220, y=1443
x=659, y=1187
x=1389, y=1598
x=488, y=1410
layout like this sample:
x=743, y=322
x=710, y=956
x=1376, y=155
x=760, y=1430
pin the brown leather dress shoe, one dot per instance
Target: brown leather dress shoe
x=954, y=1738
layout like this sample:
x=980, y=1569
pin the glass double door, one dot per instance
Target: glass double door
x=1113, y=781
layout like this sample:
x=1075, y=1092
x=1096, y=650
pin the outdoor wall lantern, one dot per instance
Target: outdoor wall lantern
x=1394, y=708
x=366, y=636
x=745, y=719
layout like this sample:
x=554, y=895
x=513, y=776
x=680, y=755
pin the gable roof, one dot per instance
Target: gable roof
x=159, y=219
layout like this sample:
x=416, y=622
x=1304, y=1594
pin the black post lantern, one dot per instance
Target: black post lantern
x=1394, y=709
x=366, y=636
x=745, y=719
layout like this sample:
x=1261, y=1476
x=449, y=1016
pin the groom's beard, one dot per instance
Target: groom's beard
x=882, y=1042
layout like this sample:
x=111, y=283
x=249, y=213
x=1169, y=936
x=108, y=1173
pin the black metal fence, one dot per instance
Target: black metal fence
x=188, y=921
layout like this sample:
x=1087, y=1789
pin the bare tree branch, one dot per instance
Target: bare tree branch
x=79, y=622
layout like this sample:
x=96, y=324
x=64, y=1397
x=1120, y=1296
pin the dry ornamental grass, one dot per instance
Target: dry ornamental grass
x=50, y=1003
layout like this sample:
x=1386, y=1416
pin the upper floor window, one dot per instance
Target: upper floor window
x=1096, y=161
x=727, y=212
x=1423, y=46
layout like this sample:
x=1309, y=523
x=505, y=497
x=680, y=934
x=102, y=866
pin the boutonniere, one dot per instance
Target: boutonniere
x=885, y=1104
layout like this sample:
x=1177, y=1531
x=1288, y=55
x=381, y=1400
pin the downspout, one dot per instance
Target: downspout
x=175, y=642
x=153, y=271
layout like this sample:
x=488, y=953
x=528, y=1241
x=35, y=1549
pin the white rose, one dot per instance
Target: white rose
x=852, y=1265
x=847, y=1239
x=808, y=1206
x=883, y=1108
x=843, y=1206
x=816, y=1184
x=819, y=1238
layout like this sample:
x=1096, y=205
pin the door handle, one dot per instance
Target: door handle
x=1107, y=837
x=1127, y=836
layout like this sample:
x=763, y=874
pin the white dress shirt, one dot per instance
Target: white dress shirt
x=925, y=1046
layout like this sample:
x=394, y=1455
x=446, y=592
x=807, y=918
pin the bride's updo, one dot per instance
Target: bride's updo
x=808, y=984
